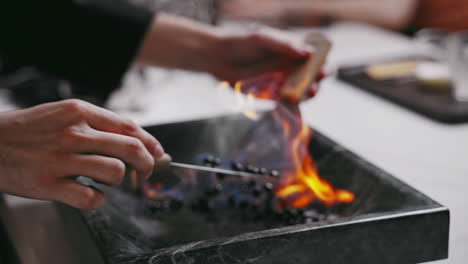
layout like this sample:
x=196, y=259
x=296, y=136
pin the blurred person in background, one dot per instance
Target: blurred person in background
x=43, y=148
x=400, y=15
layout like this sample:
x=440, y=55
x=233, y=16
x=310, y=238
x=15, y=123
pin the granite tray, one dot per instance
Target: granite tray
x=389, y=222
x=409, y=94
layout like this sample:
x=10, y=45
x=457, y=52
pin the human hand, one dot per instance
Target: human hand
x=175, y=42
x=43, y=149
x=269, y=86
x=253, y=54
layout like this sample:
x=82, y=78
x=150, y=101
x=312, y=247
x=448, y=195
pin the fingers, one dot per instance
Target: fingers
x=128, y=149
x=102, y=169
x=105, y=120
x=78, y=195
x=271, y=40
x=313, y=90
x=260, y=67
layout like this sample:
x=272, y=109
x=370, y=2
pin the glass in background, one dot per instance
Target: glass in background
x=451, y=50
x=457, y=54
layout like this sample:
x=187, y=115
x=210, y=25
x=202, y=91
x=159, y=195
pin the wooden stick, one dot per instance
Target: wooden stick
x=300, y=80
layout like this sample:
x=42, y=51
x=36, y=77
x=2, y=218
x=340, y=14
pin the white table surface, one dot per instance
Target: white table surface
x=430, y=156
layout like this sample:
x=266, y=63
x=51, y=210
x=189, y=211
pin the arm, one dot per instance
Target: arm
x=44, y=148
x=176, y=42
x=90, y=42
x=394, y=14
x=389, y=14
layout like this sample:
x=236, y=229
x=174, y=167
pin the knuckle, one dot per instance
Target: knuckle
x=135, y=146
x=73, y=135
x=129, y=127
x=73, y=104
x=74, y=107
x=117, y=171
x=153, y=142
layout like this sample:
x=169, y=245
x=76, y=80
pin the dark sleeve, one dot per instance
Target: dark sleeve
x=89, y=42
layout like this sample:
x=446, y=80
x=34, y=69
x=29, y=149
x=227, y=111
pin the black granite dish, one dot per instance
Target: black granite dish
x=441, y=107
x=389, y=222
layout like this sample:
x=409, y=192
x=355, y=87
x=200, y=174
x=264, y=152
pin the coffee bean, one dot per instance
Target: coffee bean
x=252, y=169
x=251, y=183
x=220, y=176
x=176, y=205
x=274, y=173
x=208, y=160
x=237, y=166
x=268, y=187
x=256, y=192
x=216, y=162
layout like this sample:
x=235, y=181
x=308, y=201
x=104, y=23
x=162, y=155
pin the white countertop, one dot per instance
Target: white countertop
x=430, y=156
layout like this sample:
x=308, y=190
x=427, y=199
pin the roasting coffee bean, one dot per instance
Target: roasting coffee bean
x=251, y=183
x=215, y=190
x=252, y=169
x=157, y=205
x=212, y=161
x=309, y=220
x=256, y=192
x=176, y=205
x=220, y=176
x=312, y=216
x=237, y=166
x=274, y=173
x=268, y=187
x=208, y=160
x=216, y=162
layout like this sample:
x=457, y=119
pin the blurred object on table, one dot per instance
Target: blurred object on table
x=421, y=84
x=395, y=14
x=450, y=15
x=457, y=54
x=200, y=10
x=401, y=15
x=452, y=49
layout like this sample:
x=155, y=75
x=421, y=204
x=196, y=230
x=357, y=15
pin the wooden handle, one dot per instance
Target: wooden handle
x=299, y=81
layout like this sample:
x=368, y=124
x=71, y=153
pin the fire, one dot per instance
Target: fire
x=301, y=185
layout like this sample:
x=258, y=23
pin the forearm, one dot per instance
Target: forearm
x=389, y=14
x=175, y=42
x=89, y=42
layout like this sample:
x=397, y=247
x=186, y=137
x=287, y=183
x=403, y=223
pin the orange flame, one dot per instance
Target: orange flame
x=303, y=184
